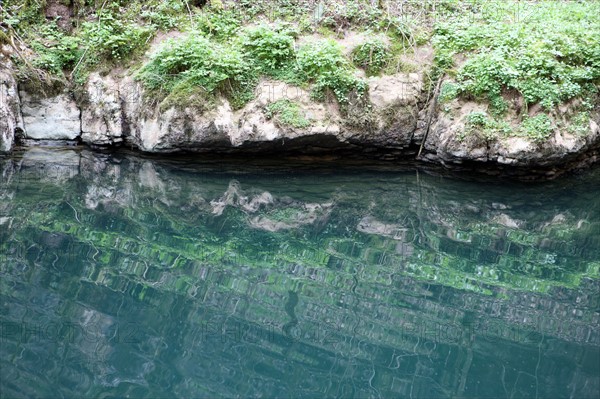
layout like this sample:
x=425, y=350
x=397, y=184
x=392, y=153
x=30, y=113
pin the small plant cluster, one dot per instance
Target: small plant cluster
x=489, y=128
x=55, y=50
x=324, y=63
x=197, y=61
x=288, y=113
x=537, y=128
x=550, y=58
x=113, y=37
x=372, y=56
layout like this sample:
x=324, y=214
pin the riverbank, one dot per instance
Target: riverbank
x=450, y=83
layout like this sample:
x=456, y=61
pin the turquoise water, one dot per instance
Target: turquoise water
x=123, y=276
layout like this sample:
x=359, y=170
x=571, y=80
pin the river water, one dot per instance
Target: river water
x=126, y=276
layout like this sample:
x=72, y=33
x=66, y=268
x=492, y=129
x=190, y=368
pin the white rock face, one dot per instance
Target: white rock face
x=53, y=118
x=10, y=113
x=101, y=118
x=399, y=89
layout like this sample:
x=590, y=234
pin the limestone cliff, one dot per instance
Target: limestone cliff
x=114, y=109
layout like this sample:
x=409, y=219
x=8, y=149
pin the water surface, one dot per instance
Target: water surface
x=122, y=276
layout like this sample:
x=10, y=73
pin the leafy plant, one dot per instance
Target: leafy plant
x=538, y=127
x=55, y=51
x=218, y=22
x=372, y=56
x=448, y=91
x=114, y=38
x=342, y=83
x=270, y=48
x=323, y=63
x=320, y=57
x=287, y=112
x=580, y=123
x=165, y=15
x=478, y=122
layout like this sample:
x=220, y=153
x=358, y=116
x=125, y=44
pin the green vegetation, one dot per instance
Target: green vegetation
x=372, y=56
x=63, y=54
x=495, y=53
x=538, y=127
x=580, y=123
x=489, y=128
x=288, y=113
x=271, y=49
x=548, y=54
x=323, y=63
x=196, y=61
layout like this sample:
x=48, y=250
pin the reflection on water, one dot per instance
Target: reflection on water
x=123, y=276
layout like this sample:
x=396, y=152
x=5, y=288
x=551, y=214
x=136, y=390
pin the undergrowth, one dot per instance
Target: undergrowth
x=548, y=54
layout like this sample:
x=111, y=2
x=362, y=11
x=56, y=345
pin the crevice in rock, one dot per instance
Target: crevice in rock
x=79, y=138
x=21, y=120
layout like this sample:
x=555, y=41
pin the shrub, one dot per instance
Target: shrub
x=320, y=57
x=372, y=56
x=197, y=61
x=270, y=48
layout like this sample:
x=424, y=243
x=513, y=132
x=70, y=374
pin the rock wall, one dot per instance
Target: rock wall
x=113, y=110
x=447, y=144
x=10, y=111
x=116, y=110
x=50, y=118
